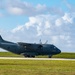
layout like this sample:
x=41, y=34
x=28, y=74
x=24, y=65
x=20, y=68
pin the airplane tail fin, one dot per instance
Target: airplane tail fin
x=1, y=40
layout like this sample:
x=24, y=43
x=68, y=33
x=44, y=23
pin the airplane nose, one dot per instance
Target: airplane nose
x=59, y=51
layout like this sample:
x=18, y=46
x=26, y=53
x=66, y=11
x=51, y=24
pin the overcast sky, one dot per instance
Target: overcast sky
x=32, y=20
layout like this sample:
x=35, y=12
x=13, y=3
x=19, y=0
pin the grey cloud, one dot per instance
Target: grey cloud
x=18, y=7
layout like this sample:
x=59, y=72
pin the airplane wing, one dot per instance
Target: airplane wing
x=24, y=44
x=30, y=45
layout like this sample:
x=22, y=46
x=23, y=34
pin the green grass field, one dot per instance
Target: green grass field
x=36, y=67
x=9, y=54
x=61, y=55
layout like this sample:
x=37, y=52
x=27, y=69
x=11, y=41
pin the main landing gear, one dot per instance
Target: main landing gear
x=50, y=56
x=29, y=56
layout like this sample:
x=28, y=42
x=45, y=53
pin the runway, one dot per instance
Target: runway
x=20, y=58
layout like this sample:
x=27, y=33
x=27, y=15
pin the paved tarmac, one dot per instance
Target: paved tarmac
x=20, y=58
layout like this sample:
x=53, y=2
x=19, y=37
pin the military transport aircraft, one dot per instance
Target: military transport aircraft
x=29, y=49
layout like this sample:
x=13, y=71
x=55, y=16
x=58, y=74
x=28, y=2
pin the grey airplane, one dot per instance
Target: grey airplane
x=29, y=49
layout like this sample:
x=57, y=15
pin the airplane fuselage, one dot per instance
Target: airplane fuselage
x=29, y=49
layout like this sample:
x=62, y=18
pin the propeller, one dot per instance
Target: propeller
x=41, y=44
x=40, y=41
x=46, y=42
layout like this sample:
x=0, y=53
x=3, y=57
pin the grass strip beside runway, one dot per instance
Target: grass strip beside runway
x=61, y=55
x=35, y=67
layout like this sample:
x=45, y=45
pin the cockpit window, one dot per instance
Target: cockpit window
x=52, y=46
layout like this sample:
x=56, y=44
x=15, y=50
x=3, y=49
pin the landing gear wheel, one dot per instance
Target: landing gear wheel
x=50, y=56
x=30, y=56
x=33, y=56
